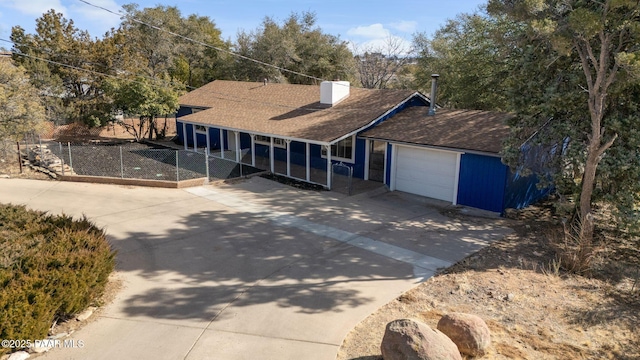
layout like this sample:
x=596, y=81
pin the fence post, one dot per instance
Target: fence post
x=70, y=160
x=19, y=156
x=121, y=164
x=206, y=165
x=61, y=158
x=177, y=167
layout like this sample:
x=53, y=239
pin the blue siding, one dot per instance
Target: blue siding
x=214, y=138
x=202, y=140
x=522, y=191
x=245, y=141
x=189, y=135
x=482, y=182
x=358, y=167
x=183, y=110
x=179, y=131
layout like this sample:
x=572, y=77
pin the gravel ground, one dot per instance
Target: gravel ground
x=142, y=161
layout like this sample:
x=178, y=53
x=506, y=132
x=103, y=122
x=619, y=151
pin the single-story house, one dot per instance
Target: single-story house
x=389, y=136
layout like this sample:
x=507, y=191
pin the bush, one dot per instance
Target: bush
x=51, y=267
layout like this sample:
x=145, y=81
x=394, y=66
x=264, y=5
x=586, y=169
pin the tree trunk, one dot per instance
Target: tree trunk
x=151, y=127
x=588, y=182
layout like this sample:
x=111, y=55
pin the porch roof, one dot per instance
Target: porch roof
x=287, y=110
x=472, y=130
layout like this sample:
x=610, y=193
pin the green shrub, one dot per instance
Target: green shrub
x=51, y=267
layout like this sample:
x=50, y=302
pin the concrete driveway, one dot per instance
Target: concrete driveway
x=253, y=269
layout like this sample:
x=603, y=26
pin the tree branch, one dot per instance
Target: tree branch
x=607, y=145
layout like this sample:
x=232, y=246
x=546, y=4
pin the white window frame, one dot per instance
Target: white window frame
x=334, y=156
x=200, y=129
x=266, y=140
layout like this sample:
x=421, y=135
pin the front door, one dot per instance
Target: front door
x=376, y=160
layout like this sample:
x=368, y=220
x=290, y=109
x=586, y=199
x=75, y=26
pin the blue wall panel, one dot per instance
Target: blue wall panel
x=214, y=138
x=361, y=148
x=482, y=182
x=179, y=131
x=245, y=141
x=189, y=135
x=183, y=110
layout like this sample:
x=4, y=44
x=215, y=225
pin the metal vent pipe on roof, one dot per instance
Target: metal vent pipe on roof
x=434, y=90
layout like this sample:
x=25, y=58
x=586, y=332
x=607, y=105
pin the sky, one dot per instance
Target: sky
x=364, y=23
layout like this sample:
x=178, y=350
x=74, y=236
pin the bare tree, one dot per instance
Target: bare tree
x=380, y=66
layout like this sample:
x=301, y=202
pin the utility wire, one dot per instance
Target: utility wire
x=220, y=95
x=87, y=70
x=202, y=43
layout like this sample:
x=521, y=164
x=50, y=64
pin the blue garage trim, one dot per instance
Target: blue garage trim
x=482, y=182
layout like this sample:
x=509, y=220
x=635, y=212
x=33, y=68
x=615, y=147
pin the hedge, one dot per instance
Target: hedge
x=51, y=267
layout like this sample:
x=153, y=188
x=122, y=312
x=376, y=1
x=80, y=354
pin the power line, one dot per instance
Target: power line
x=220, y=95
x=204, y=44
x=86, y=70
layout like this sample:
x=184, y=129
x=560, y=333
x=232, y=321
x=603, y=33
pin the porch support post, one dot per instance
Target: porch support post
x=184, y=135
x=288, y=142
x=222, y=143
x=195, y=138
x=208, y=142
x=272, y=166
x=328, y=147
x=367, y=149
x=253, y=149
x=237, y=149
x=308, y=161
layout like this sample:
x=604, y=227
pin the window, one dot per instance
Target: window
x=277, y=142
x=201, y=129
x=342, y=150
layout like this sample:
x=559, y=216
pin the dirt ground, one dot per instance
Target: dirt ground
x=533, y=309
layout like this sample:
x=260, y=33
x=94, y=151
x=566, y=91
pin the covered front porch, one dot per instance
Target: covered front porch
x=299, y=159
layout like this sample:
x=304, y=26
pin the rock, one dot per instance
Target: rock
x=469, y=332
x=5, y=176
x=411, y=339
x=19, y=355
x=509, y=297
x=85, y=314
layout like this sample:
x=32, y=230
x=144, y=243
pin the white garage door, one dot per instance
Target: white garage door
x=426, y=172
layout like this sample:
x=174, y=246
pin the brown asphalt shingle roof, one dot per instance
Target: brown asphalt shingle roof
x=287, y=110
x=456, y=129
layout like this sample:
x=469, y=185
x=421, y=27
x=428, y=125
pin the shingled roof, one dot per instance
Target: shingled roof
x=473, y=130
x=288, y=110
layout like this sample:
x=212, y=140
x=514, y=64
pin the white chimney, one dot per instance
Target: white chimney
x=332, y=92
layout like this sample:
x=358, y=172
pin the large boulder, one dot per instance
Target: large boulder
x=408, y=339
x=469, y=332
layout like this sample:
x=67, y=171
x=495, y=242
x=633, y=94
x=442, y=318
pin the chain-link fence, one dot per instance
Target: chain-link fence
x=134, y=161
